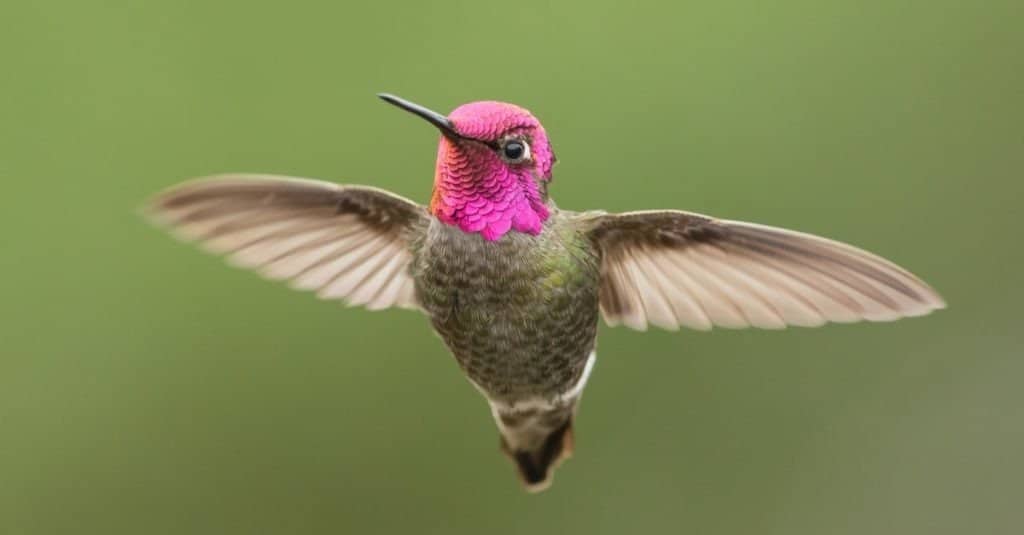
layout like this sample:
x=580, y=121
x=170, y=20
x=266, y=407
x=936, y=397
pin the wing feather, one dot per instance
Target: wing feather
x=687, y=310
x=671, y=269
x=655, y=303
x=345, y=242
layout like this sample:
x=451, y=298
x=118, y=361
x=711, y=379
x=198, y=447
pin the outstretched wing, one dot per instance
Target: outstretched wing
x=672, y=268
x=344, y=242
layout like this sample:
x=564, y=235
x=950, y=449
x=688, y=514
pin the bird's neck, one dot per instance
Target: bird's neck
x=480, y=196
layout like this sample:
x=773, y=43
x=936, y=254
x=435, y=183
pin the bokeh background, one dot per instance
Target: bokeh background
x=147, y=388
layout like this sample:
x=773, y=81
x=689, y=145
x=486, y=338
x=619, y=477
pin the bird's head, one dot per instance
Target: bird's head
x=493, y=165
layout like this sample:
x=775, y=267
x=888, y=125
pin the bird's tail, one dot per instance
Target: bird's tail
x=537, y=440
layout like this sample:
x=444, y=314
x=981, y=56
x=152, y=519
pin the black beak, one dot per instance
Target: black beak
x=440, y=121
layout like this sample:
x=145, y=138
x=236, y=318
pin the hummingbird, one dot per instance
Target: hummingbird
x=514, y=285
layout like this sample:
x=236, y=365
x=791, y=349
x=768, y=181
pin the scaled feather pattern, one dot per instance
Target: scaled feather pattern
x=478, y=192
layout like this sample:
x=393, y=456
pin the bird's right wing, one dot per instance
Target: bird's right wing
x=344, y=242
x=672, y=269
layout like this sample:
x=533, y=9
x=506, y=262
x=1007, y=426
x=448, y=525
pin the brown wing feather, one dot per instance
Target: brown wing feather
x=672, y=268
x=345, y=242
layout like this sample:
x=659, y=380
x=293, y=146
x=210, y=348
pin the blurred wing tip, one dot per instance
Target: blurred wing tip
x=162, y=220
x=930, y=301
x=927, y=308
x=153, y=211
x=937, y=302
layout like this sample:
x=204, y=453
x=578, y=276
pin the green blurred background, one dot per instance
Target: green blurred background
x=147, y=388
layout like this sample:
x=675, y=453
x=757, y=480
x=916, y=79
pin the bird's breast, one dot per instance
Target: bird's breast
x=519, y=313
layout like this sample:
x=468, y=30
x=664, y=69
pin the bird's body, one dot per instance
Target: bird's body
x=513, y=285
x=486, y=300
x=520, y=316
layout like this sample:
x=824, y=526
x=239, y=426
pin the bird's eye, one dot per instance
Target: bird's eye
x=515, y=151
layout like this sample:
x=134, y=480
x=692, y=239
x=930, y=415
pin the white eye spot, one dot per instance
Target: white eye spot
x=515, y=150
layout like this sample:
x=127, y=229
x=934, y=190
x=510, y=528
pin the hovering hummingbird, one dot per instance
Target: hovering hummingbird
x=513, y=284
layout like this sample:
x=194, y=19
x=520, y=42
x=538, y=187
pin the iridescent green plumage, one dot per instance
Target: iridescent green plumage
x=520, y=314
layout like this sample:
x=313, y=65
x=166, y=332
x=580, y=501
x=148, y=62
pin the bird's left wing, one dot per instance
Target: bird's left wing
x=672, y=269
x=345, y=242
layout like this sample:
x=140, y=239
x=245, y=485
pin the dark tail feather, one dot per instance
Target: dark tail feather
x=537, y=449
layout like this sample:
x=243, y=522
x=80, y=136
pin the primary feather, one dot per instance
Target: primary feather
x=344, y=242
x=673, y=268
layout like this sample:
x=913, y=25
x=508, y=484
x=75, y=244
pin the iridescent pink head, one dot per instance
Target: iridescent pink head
x=493, y=165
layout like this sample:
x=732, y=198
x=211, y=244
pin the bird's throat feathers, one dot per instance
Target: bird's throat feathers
x=475, y=190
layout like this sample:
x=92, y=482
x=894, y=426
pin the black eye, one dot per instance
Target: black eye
x=515, y=151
